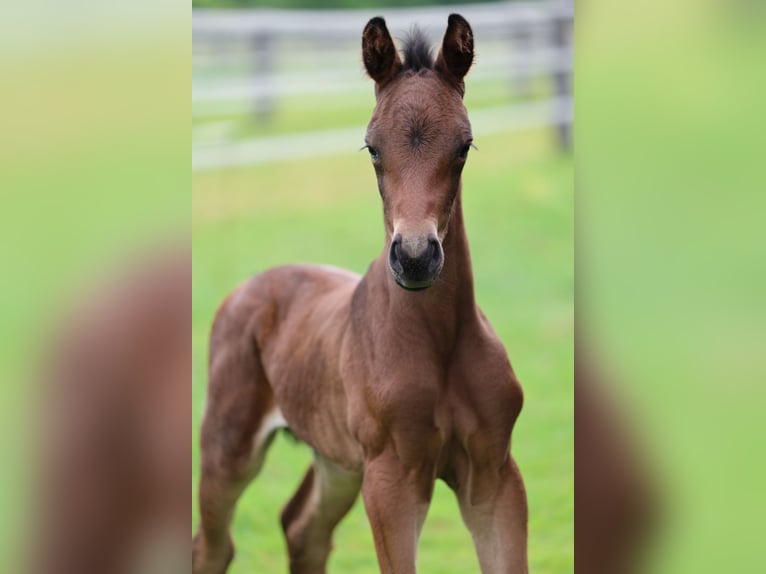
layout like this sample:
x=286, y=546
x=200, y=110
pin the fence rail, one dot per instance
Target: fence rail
x=255, y=58
x=497, y=15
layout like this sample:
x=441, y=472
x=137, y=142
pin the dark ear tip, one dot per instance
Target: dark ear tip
x=376, y=22
x=457, y=19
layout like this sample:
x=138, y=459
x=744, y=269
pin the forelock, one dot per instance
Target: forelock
x=417, y=51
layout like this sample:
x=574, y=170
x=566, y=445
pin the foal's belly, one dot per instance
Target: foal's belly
x=301, y=353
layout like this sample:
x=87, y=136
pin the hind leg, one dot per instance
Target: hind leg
x=325, y=496
x=240, y=420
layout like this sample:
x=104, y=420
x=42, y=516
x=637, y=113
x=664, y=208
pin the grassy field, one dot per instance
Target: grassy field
x=518, y=198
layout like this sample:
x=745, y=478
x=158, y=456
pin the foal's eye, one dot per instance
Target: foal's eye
x=463, y=154
x=373, y=153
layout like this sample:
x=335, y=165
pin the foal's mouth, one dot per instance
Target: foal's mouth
x=414, y=285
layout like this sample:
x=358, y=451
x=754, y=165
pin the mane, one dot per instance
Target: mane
x=417, y=51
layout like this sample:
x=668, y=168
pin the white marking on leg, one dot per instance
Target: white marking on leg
x=272, y=421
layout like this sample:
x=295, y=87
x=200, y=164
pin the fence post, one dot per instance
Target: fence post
x=562, y=75
x=521, y=36
x=263, y=74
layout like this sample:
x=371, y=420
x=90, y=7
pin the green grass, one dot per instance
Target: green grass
x=518, y=200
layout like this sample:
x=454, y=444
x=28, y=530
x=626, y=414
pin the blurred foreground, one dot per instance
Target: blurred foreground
x=94, y=321
x=670, y=265
x=114, y=477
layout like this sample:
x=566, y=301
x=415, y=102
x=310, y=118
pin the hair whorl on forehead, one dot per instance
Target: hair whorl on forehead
x=417, y=51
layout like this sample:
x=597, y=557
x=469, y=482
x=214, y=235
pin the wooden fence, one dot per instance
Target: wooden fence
x=250, y=59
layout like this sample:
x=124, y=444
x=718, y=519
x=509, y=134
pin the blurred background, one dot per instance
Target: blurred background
x=273, y=84
x=280, y=103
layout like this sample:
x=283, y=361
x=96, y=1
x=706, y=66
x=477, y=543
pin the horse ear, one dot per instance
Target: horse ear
x=456, y=55
x=379, y=53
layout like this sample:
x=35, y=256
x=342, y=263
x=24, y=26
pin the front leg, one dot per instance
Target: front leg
x=497, y=518
x=396, y=498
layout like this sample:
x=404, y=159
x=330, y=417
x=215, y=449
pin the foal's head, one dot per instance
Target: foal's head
x=418, y=139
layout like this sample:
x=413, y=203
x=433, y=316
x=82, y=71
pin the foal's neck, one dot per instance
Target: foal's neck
x=449, y=302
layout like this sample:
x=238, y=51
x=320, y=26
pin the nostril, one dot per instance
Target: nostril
x=398, y=251
x=395, y=255
x=435, y=251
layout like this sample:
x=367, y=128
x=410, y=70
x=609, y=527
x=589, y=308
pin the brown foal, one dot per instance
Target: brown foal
x=394, y=379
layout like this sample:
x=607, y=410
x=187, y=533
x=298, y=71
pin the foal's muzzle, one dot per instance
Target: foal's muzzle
x=415, y=262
